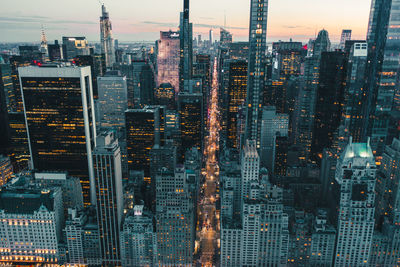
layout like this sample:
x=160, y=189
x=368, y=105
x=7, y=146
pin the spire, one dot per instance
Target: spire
x=186, y=9
x=43, y=37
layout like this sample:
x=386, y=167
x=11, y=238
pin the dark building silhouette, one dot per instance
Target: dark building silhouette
x=329, y=101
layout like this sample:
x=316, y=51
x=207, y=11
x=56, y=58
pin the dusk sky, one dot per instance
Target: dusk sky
x=137, y=20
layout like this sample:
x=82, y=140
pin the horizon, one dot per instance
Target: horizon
x=131, y=23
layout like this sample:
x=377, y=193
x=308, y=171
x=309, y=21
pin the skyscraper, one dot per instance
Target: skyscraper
x=144, y=129
x=225, y=37
x=106, y=39
x=305, y=106
x=346, y=35
x=75, y=46
x=186, y=46
x=109, y=198
x=256, y=68
x=113, y=100
x=190, y=108
x=381, y=74
x=355, y=174
x=168, y=59
x=236, y=97
x=59, y=113
x=329, y=101
x=355, y=96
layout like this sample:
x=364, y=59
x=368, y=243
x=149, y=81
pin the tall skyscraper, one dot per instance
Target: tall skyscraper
x=346, y=35
x=186, y=46
x=236, y=97
x=273, y=126
x=354, y=96
x=168, y=59
x=144, y=129
x=190, y=108
x=381, y=74
x=305, y=106
x=113, y=100
x=225, y=37
x=211, y=37
x=106, y=39
x=59, y=114
x=355, y=174
x=256, y=68
x=329, y=101
x=109, y=198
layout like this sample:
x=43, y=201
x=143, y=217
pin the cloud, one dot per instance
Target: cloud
x=295, y=27
x=200, y=25
x=40, y=19
x=208, y=18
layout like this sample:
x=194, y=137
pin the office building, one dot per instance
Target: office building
x=109, y=198
x=355, y=174
x=322, y=241
x=30, y=234
x=354, y=96
x=144, y=129
x=6, y=170
x=329, y=101
x=305, y=105
x=165, y=95
x=236, y=97
x=112, y=101
x=346, y=36
x=168, y=59
x=273, y=126
x=59, y=113
x=381, y=73
x=75, y=46
x=137, y=238
x=82, y=237
x=70, y=186
x=106, y=39
x=174, y=220
x=56, y=51
x=225, y=37
x=256, y=68
x=190, y=108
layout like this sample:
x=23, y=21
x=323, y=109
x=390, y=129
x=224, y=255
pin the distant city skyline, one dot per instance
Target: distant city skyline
x=133, y=22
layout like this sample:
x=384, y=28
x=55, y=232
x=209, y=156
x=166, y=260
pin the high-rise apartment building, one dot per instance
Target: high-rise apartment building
x=186, y=46
x=168, y=59
x=106, y=39
x=59, y=113
x=256, y=68
x=109, y=198
x=355, y=174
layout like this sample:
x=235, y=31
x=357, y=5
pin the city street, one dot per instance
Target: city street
x=208, y=217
